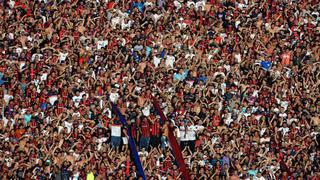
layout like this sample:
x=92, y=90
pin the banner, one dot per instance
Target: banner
x=174, y=144
x=132, y=144
x=266, y=65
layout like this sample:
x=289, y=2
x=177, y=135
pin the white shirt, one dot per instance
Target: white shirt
x=44, y=77
x=19, y=50
x=76, y=176
x=108, y=111
x=156, y=17
x=143, y=155
x=189, y=55
x=262, y=140
x=100, y=141
x=255, y=93
x=123, y=41
x=182, y=25
x=227, y=67
x=241, y=6
x=156, y=61
x=5, y=120
x=63, y=56
x=126, y=25
x=115, y=21
x=262, y=131
x=238, y=57
x=182, y=134
x=292, y=120
x=177, y=4
x=102, y=44
x=229, y=119
x=114, y=97
x=76, y=114
x=149, y=4
x=214, y=140
x=68, y=126
x=146, y=111
x=199, y=4
x=76, y=100
x=223, y=35
x=284, y=130
x=223, y=88
x=7, y=98
x=48, y=120
x=237, y=23
x=191, y=133
x=283, y=115
x=199, y=127
x=116, y=130
x=11, y=4
x=52, y=99
x=284, y=104
x=177, y=132
x=170, y=60
x=34, y=56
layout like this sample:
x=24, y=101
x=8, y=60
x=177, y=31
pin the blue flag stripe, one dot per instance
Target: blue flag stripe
x=132, y=144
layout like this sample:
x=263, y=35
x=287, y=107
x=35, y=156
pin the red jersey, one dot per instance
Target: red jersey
x=145, y=127
x=33, y=95
x=167, y=164
x=64, y=95
x=43, y=98
x=134, y=131
x=216, y=120
x=60, y=107
x=156, y=128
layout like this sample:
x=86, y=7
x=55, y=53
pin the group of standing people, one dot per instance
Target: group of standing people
x=238, y=82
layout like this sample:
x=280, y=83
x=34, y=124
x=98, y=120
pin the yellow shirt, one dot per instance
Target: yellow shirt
x=90, y=176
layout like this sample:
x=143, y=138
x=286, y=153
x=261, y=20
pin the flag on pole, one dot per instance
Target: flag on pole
x=174, y=144
x=132, y=144
x=266, y=65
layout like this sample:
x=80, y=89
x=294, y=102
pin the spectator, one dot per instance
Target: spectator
x=145, y=134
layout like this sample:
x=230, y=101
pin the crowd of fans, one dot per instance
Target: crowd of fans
x=63, y=61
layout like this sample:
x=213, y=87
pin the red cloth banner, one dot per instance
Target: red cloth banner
x=174, y=144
